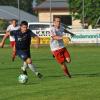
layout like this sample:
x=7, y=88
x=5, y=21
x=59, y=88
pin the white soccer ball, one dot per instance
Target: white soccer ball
x=23, y=79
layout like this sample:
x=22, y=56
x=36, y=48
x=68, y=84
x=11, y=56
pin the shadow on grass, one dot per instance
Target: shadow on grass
x=87, y=74
x=76, y=75
x=8, y=68
x=43, y=59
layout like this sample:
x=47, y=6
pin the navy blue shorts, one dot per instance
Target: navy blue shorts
x=23, y=54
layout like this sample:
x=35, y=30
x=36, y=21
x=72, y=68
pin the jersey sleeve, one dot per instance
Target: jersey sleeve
x=32, y=34
x=8, y=28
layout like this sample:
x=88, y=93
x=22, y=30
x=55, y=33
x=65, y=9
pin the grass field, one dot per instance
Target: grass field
x=84, y=85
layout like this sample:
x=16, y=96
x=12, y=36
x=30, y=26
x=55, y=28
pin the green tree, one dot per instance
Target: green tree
x=3, y=24
x=25, y=5
x=91, y=10
x=40, y=1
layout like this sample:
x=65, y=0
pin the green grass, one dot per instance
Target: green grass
x=84, y=85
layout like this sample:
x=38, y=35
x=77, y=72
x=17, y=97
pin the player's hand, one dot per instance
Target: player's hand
x=1, y=44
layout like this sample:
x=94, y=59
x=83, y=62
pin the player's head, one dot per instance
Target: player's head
x=24, y=26
x=57, y=21
x=14, y=22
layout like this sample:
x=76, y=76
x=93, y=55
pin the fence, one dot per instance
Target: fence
x=86, y=36
x=81, y=36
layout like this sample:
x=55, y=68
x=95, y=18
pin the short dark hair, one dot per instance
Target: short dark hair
x=56, y=17
x=24, y=23
x=13, y=20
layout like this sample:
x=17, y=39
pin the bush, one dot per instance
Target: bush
x=3, y=24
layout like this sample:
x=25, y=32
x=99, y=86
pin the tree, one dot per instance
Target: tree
x=39, y=1
x=25, y=5
x=3, y=24
x=91, y=10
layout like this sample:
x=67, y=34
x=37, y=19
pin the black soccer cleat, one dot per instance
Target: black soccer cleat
x=69, y=76
x=24, y=72
x=13, y=59
x=39, y=75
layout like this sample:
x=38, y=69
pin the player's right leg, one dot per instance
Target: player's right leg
x=22, y=55
x=24, y=67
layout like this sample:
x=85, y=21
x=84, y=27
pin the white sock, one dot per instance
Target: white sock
x=33, y=69
x=24, y=66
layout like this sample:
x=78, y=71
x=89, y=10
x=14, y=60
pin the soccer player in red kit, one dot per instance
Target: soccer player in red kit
x=58, y=49
x=13, y=26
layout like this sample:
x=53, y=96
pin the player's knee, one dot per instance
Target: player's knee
x=29, y=61
x=62, y=64
x=68, y=60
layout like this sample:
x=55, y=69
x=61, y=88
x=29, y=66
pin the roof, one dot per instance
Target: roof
x=9, y=12
x=55, y=4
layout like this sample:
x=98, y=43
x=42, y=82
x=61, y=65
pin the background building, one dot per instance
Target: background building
x=58, y=8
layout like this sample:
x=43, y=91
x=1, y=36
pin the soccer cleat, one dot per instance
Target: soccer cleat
x=24, y=72
x=13, y=58
x=39, y=75
x=69, y=76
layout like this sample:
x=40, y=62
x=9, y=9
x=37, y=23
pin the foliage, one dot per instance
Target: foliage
x=91, y=10
x=3, y=24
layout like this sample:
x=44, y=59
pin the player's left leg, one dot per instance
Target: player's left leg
x=12, y=44
x=65, y=69
x=68, y=60
x=33, y=67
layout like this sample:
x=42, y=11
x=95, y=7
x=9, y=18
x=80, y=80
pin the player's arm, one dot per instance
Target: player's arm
x=55, y=37
x=4, y=38
x=66, y=31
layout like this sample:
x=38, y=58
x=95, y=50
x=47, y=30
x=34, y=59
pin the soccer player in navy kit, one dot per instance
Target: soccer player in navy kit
x=22, y=47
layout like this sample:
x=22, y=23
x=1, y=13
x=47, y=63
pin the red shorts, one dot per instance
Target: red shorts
x=61, y=55
x=12, y=44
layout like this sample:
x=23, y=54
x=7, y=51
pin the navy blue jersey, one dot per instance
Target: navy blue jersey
x=23, y=40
